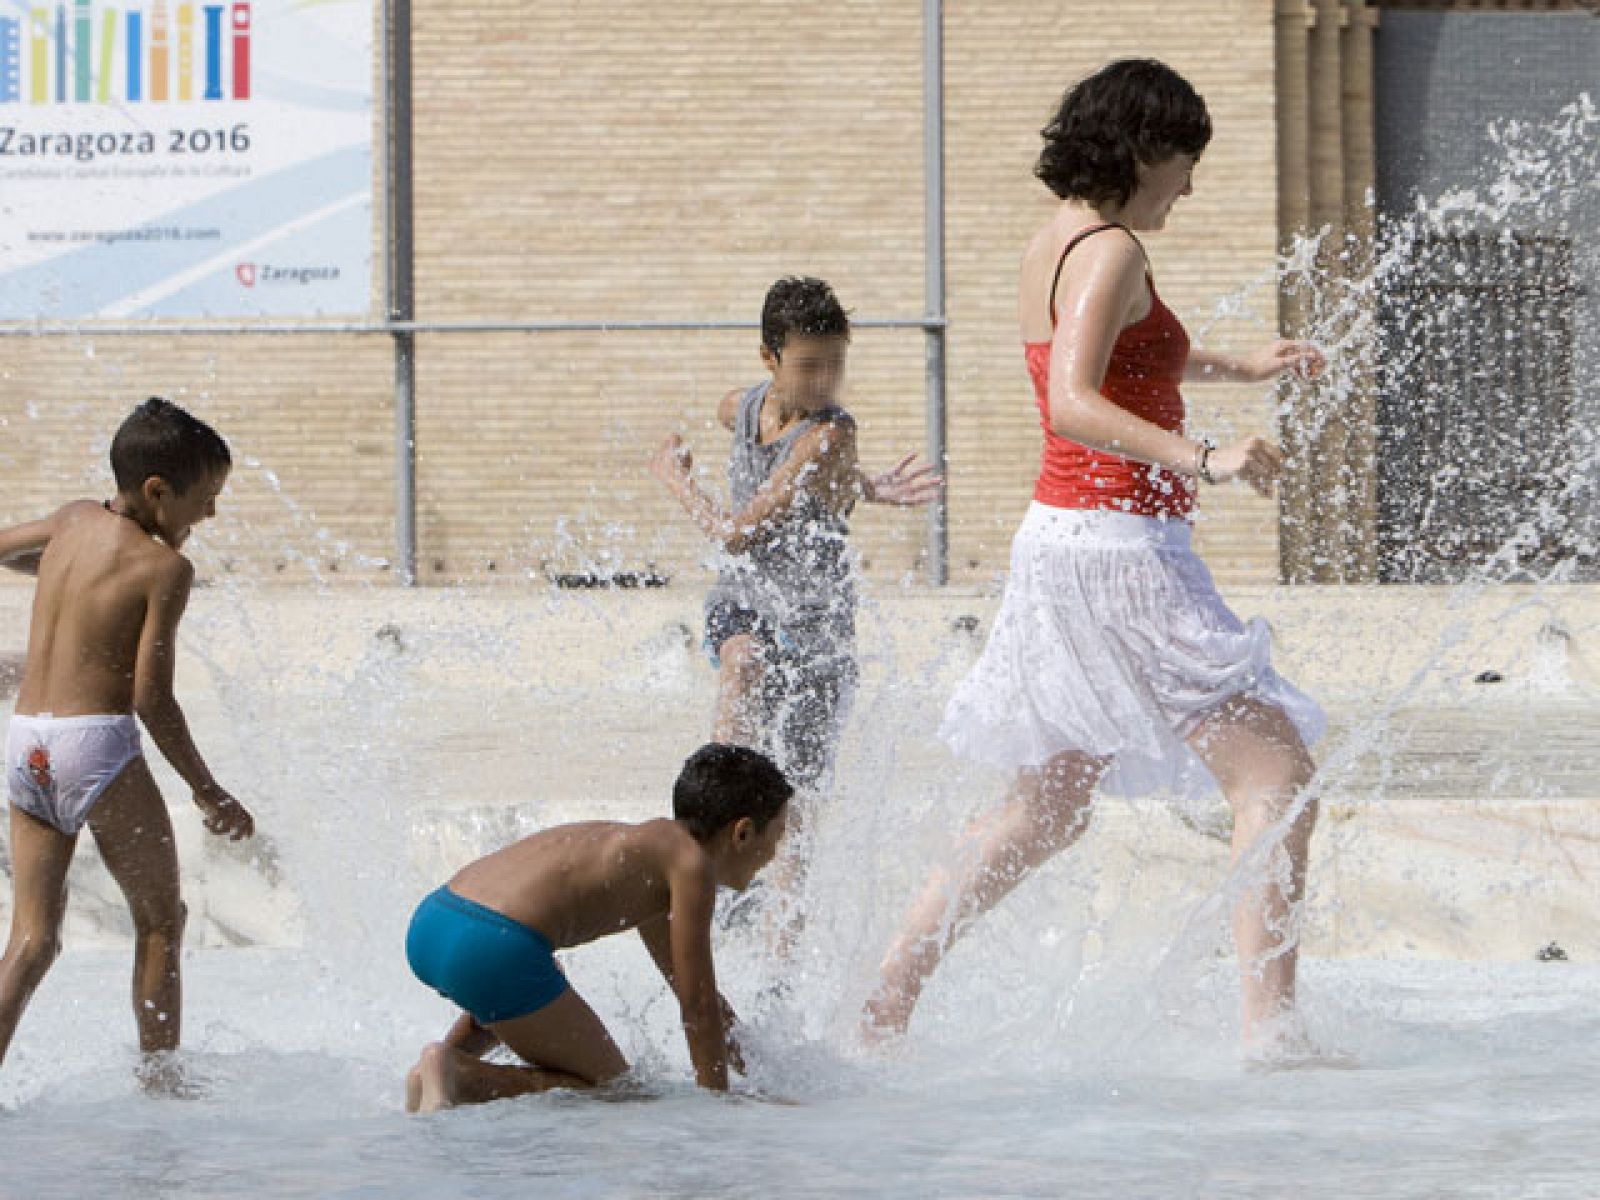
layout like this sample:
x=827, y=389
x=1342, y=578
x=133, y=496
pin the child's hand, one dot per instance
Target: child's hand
x=1300, y=357
x=905, y=487
x=223, y=815
x=672, y=461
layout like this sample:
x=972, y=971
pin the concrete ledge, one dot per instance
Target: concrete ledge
x=1461, y=819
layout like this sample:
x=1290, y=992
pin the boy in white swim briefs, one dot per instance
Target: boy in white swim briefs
x=112, y=588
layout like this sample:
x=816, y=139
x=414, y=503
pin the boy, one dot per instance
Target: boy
x=101, y=645
x=486, y=940
x=780, y=622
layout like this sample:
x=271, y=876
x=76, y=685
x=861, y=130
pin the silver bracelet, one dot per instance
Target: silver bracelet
x=1202, y=462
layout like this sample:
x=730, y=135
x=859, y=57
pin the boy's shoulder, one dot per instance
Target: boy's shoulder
x=144, y=559
x=728, y=406
x=76, y=510
x=666, y=846
x=667, y=837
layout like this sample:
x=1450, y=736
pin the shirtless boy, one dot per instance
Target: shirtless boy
x=486, y=940
x=101, y=647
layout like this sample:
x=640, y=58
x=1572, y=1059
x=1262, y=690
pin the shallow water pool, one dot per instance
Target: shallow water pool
x=1472, y=1081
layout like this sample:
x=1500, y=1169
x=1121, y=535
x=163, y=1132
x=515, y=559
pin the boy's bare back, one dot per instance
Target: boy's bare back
x=105, y=586
x=576, y=883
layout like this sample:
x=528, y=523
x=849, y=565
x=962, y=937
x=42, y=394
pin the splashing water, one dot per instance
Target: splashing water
x=1082, y=1038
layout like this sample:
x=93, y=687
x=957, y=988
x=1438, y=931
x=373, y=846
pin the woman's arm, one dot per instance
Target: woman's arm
x=1097, y=302
x=1269, y=362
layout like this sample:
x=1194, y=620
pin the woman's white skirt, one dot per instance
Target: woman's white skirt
x=1112, y=640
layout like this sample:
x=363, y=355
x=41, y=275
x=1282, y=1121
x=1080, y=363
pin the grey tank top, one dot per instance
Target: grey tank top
x=798, y=572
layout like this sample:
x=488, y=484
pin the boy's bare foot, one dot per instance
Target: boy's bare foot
x=436, y=1072
x=414, y=1088
x=161, y=1074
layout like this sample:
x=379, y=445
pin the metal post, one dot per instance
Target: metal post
x=933, y=286
x=400, y=283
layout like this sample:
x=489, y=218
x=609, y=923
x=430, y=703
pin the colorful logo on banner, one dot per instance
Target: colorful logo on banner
x=190, y=159
x=147, y=54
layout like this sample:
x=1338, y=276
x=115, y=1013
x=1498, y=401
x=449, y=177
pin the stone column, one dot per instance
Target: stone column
x=1291, y=19
x=1357, y=535
x=1318, y=414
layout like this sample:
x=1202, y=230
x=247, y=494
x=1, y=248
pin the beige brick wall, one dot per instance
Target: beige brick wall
x=309, y=419
x=631, y=161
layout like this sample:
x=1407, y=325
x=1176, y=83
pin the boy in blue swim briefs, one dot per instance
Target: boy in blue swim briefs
x=486, y=940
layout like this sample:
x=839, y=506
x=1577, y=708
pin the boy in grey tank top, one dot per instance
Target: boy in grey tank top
x=780, y=621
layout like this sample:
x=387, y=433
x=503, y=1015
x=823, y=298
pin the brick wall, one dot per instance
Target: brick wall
x=631, y=161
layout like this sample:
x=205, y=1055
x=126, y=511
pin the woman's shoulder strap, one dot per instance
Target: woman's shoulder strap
x=1072, y=243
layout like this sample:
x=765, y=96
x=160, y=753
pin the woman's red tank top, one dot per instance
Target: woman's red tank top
x=1143, y=377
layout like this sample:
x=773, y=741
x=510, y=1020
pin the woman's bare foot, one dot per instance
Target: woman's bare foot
x=436, y=1075
x=900, y=980
x=414, y=1089
x=888, y=1014
x=1284, y=1044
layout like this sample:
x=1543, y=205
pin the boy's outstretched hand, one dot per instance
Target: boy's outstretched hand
x=222, y=814
x=672, y=462
x=902, y=486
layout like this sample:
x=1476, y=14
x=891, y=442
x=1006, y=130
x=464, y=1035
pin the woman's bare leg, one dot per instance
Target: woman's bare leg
x=1048, y=809
x=1257, y=756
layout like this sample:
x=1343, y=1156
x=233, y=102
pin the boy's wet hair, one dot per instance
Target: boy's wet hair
x=719, y=784
x=159, y=438
x=1136, y=110
x=798, y=304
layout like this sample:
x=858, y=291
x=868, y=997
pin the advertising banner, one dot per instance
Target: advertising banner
x=193, y=159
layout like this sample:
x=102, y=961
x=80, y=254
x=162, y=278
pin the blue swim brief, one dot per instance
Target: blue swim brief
x=493, y=967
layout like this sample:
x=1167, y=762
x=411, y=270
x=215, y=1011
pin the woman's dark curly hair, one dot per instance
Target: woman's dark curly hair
x=1134, y=111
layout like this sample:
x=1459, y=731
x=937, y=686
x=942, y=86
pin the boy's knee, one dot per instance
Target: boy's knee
x=164, y=921
x=738, y=656
x=35, y=952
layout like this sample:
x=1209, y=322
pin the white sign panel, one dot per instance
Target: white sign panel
x=194, y=159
